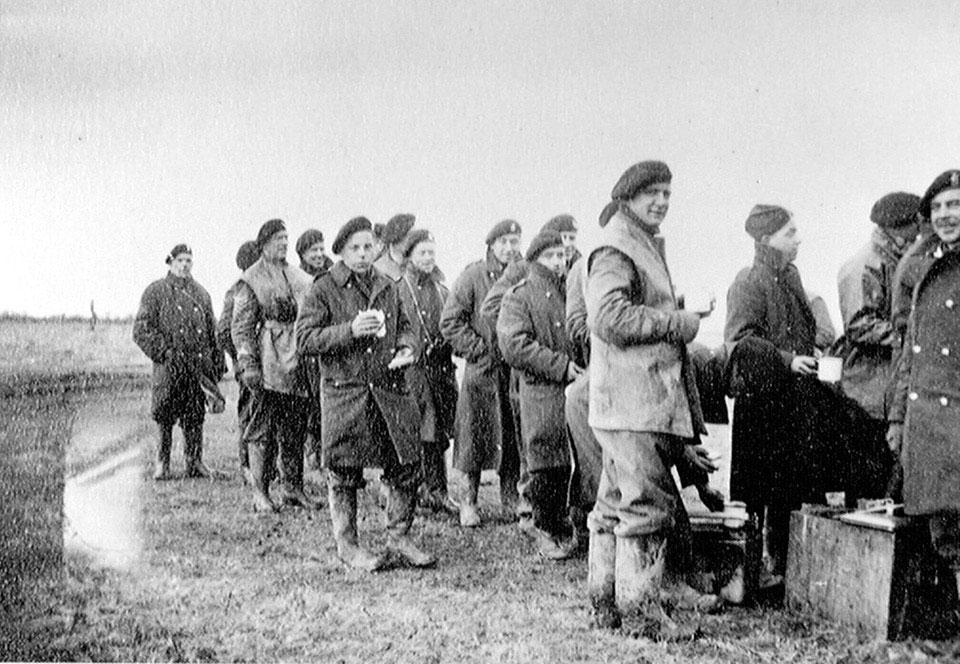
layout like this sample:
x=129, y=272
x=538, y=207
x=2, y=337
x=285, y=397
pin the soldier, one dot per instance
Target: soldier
x=353, y=321
x=247, y=255
x=566, y=225
x=924, y=422
x=390, y=263
x=176, y=329
x=310, y=249
x=533, y=340
x=484, y=435
x=264, y=313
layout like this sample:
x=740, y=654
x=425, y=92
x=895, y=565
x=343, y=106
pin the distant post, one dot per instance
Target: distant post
x=93, y=316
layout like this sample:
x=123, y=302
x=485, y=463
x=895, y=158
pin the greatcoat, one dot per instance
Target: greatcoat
x=354, y=370
x=533, y=340
x=927, y=398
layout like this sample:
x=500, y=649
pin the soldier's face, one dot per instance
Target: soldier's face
x=506, y=248
x=181, y=265
x=945, y=215
x=554, y=259
x=569, y=242
x=786, y=240
x=358, y=252
x=314, y=255
x=424, y=256
x=651, y=203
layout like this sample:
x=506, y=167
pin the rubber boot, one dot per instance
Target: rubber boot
x=294, y=496
x=193, y=451
x=259, y=481
x=639, y=568
x=434, y=490
x=469, y=513
x=343, y=516
x=161, y=469
x=401, y=505
x=601, y=576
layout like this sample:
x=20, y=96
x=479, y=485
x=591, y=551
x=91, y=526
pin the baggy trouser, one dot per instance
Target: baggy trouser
x=193, y=449
x=164, y=443
x=276, y=422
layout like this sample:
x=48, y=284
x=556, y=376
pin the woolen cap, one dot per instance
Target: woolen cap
x=414, y=238
x=355, y=225
x=895, y=210
x=309, y=238
x=247, y=254
x=398, y=227
x=766, y=219
x=176, y=251
x=505, y=227
x=268, y=230
x=946, y=180
x=638, y=177
x=541, y=242
x=562, y=223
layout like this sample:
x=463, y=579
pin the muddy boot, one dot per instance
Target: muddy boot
x=401, y=505
x=434, y=496
x=639, y=572
x=601, y=575
x=469, y=512
x=343, y=515
x=682, y=596
x=161, y=469
x=259, y=482
x=294, y=496
x=193, y=451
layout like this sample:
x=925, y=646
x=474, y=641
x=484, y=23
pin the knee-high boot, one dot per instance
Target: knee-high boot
x=435, y=495
x=343, y=516
x=193, y=451
x=259, y=481
x=469, y=512
x=640, y=563
x=401, y=504
x=601, y=580
x=161, y=469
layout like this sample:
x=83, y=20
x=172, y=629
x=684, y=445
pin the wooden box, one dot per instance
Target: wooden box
x=727, y=549
x=883, y=579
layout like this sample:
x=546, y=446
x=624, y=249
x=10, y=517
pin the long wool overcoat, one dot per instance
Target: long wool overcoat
x=533, y=339
x=927, y=399
x=480, y=425
x=354, y=370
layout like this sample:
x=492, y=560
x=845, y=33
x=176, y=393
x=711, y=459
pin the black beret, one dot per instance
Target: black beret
x=541, y=242
x=638, y=177
x=268, y=230
x=176, y=251
x=416, y=237
x=309, y=238
x=247, y=254
x=765, y=220
x=355, y=225
x=562, y=223
x=606, y=214
x=946, y=180
x=895, y=210
x=505, y=227
x=398, y=227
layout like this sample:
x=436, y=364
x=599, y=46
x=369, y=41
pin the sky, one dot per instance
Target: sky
x=129, y=126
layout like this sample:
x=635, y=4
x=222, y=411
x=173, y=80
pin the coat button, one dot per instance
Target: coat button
x=369, y=350
x=949, y=304
x=913, y=396
x=916, y=348
x=944, y=401
x=944, y=351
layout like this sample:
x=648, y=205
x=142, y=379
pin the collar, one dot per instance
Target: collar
x=547, y=275
x=494, y=266
x=770, y=257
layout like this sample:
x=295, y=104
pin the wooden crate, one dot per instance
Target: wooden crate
x=884, y=580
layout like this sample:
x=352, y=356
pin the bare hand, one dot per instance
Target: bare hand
x=365, y=324
x=402, y=358
x=698, y=457
x=574, y=371
x=895, y=437
x=804, y=364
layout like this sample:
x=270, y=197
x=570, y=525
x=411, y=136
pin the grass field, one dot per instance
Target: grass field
x=214, y=582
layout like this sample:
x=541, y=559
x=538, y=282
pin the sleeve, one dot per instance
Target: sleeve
x=315, y=331
x=455, y=321
x=514, y=274
x=517, y=337
x=871, y=323
x=245, y=328
x=219, y=363
x=406, y=338
x=826, y=334
x=618, y=321
x=146, y=327
x=576, y=323
x=901, y=379
x=224, y=340
x=747, y=314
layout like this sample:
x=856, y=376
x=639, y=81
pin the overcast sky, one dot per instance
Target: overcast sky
x=129, y=126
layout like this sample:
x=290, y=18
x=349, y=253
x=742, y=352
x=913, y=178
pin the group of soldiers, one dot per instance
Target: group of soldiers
x=582, y=384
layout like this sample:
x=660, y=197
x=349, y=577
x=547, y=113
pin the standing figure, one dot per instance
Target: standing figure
x=247, y=255
x=176, y=329
x=432, y=376
x=644, y=405
x=390, y=263
x=353, y=321
x=534, y=342
x=566, y=225
x=265, y=309
x=484, y=436
x=924, y=416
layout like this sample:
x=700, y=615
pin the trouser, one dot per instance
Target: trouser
x=276, y=422
x=546, y=492
x=192, y=428
x=243, y=398
x=513, y=467
x=434, y=465
x=945, y=535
